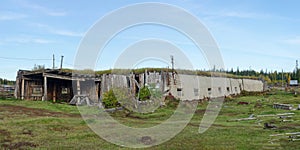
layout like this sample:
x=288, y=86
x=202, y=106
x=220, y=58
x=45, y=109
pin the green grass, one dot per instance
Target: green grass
x=46, y=125
x=48, y=105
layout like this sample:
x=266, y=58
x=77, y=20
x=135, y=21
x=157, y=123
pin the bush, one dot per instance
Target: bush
x=109, y=100
x=144, y=94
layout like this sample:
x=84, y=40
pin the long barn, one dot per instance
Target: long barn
x=53, y=84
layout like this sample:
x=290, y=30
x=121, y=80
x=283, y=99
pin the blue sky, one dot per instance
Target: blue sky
x=252, y=34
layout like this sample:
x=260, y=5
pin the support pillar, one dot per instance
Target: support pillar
x=45, y=89
x=54, y=92
x=78, y=87
x=23, y=89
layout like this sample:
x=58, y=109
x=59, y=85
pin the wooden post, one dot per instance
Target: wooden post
x=45, y=89
x=23, y=89
x=61, y=63
x=78, y=87
x=54, y=92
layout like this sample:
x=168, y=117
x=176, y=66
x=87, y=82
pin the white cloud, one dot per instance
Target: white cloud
x=57, y=13
x=42, y=9
x=57, y=31
x=4, y=16
x=42, y=41
x=238, y=14
x=67, y=33
x=26, y=39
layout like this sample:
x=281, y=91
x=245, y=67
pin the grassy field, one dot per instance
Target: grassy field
x=46, y=125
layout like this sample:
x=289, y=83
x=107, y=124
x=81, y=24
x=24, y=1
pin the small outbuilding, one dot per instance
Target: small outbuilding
x=54, y=84
x=293, y=83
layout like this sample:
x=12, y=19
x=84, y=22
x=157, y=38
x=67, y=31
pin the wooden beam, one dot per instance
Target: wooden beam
x=54, y=92
x=62, y=77
x=45, y=89
x=23, y=89
x=78, y=87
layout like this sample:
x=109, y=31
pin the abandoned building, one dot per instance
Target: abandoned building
x=53, y=84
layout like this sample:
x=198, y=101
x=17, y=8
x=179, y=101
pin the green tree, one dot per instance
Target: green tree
x=109, y=99
x=38, y=67
x=144, y=94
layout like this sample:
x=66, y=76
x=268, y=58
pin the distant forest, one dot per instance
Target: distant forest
x=271, y=77
x=7, y=82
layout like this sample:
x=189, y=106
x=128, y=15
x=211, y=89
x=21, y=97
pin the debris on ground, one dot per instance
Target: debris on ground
x=81, y=100
x=283, y=106
x=269, y=126
x=243, y=103
x=251, y=117
x=273, y=115
x=295, y=136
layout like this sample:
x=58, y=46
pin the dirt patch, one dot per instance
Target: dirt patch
x=5, y=137
x=147, y=140
x=200, y=111
x=33, y=112
x=229, y=114
x=27, y=132
x=203, y=111
x=59, y=128
x=215, y=125
x=19, y=145
x=4, y=132
x=193, y=124
x=289, y=127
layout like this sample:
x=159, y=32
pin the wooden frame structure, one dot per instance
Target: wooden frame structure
x=53, y=84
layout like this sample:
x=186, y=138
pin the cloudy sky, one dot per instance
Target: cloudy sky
x=250, y=34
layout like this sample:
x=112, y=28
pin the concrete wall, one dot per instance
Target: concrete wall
x=253, y=85
x=194, y=87
x=184, y=87
x=236, y=86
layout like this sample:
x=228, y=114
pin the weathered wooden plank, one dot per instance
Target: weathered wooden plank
x=23, y=89
x=45, y=89
x=62, y=77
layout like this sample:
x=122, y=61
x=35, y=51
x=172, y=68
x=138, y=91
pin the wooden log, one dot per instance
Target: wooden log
x=283, y=114
x=293, y=133
x=283, y=106
x=295, y=139
x=273, y=115
x=242, y=119
x=277, y=134
x=283, y=134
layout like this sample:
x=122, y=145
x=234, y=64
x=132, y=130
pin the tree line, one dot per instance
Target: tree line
x=7, y=82
x=272, y=77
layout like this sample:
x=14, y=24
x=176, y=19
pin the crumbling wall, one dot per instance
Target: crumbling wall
x=193, y=87
x=108, y=81
x=235, y=86
x=253, y=85
x=187, y=88
x=182, y=86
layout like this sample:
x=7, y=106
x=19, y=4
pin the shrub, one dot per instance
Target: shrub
x=109, y=100
x=144, y=94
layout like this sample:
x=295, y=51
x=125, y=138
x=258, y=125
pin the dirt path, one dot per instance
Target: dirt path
x=34, y=112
